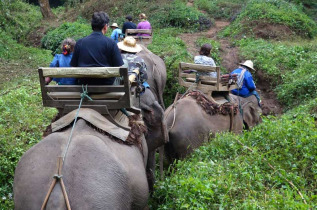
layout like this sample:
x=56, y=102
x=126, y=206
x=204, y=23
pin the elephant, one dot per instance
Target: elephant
x=156, y=71
x=190, y=125
x=98, y=172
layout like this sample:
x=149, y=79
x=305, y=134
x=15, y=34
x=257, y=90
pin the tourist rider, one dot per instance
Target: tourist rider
x=116, y=33
x=246, y=85
x=204, y=59
x=97, y=50
x=129, y=48
x=143, y=24
x=63, y=60
x=128, y=24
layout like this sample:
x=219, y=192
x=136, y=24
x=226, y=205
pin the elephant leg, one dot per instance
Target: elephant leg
x=150, y=170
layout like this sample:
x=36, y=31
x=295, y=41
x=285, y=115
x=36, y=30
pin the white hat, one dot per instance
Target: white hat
x=114, y=25
x=248, y=63
x=129, y=44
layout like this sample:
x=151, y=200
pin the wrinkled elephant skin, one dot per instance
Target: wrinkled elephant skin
x=98, y=173
x=192, y=127
x=156, y=71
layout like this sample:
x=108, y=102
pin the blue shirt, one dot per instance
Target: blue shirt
x=96, y=50
x=248, y=84
x=61, y=60
x=115, y=34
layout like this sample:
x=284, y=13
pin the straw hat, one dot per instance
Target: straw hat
x=129, y=45
x=248, y=63
x=114, y=25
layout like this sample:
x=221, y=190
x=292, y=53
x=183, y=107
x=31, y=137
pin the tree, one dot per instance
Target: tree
x=46, y=9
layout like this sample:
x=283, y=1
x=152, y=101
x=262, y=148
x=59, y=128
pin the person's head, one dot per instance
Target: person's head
x=248, y=64
x=68, y=46
x=99, y=21
x=142, y=16
x=114, y=26
x=129, y=45
x=205, y=50
x=128, y=17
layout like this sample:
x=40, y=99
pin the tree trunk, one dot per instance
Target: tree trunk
x=46, y=9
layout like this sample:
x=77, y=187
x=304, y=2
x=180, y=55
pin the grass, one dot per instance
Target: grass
x=224, y=174
x=291, y=67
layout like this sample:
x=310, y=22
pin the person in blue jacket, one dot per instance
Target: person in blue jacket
x=246, y=85
x=116, y=33
x=63, y=60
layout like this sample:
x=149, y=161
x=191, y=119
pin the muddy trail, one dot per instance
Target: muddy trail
x=230, y=61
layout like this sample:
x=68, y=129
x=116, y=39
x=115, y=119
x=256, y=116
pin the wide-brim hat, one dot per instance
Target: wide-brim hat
x=114, y=25
x=129, y=45
x=248, y=63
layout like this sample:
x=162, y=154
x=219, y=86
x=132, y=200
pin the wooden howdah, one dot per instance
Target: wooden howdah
x=144, y=40
x=105, y=97
x=206, y=84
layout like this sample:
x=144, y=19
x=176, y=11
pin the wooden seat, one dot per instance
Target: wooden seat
x=105, y=97
x=144, y=40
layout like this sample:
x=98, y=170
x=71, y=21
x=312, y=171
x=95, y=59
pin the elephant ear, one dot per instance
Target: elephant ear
x=251, y=113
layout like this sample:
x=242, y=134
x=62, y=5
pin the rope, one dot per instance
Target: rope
x=58, y=175
x=82, y=96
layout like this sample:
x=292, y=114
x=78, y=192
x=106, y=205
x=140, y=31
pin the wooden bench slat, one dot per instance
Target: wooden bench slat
x=77, y=95
x=207, y=82
x=92, y=72
x=198, y=67
x=90, y=88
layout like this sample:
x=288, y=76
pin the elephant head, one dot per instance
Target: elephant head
x=153, y=116
x=250, y=110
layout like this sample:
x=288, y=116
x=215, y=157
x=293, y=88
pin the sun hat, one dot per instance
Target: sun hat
x=114, y=25
x=129, y=45
x=248, y=63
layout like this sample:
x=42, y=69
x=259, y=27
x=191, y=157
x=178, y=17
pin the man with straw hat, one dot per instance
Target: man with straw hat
x=246, y=86
x=129, y=48
x=116, y=32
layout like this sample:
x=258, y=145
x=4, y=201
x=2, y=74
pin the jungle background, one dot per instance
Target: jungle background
x=273, y=166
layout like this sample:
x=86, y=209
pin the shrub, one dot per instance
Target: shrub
x=220, y=8
x=226, y=175
x=177, y=14
x=285, y=16
x=18, y=18
x=53, y=39
x=291, y=67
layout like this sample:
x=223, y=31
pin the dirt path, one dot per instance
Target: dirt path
x=230, y=61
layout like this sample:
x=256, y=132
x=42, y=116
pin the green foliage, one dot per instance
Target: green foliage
x=53, y=39
x=226, y=175
x=11, y=50
x=172, y=50
x=215, y=54
x=177, y=14
x=22, y=121
x=220, y=8
x=291, y=67
x=18, y=18
x=266, y=12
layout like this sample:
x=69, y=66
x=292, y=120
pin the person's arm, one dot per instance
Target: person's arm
x=55, y=62
x=249, y=81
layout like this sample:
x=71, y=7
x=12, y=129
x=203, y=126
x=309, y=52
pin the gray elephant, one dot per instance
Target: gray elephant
x=190, y=125
x=98, y=172
x=156, y=71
